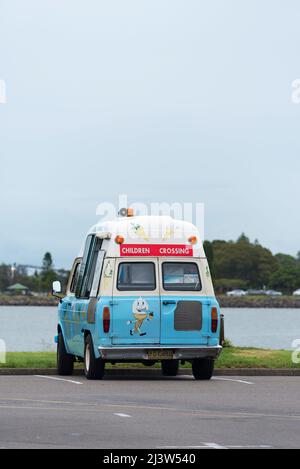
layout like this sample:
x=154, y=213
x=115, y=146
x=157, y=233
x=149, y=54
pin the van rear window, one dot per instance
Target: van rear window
x=136, y=276
x=181, y=276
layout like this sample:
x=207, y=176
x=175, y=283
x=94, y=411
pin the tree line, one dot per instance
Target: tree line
x=242, y=264
x=237, y=264
x=39, y=282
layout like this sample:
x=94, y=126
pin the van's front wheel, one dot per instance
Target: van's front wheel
x=203, y=369
x=65, y=362
x=93, y=367
x=170, y=367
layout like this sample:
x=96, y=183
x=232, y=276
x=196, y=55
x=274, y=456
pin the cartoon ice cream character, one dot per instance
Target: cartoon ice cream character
x=141, y=313
x=168, y=234
x=140, y=231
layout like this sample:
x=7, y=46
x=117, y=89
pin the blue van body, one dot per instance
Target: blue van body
x=133, y=304
x=73, y=324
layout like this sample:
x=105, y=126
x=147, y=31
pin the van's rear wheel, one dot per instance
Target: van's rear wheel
x=170, y=367
x=65, y=362
x=203, y=369
x=94, y=368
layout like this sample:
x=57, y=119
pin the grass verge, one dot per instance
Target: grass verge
x=232, y=357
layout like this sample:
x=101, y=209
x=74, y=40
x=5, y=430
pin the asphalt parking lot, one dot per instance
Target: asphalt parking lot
x=49, y=412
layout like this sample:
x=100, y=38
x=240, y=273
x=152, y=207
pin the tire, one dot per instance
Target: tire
x=65, y=362
x=170, y=367
x=203, y=369
x=93, y=367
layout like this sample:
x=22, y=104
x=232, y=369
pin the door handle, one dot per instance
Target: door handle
x=113, y=303
x=169, y=302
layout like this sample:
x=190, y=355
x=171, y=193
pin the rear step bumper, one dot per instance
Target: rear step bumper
x=141, y=353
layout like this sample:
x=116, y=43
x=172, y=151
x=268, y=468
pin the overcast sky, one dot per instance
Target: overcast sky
x=164, y=100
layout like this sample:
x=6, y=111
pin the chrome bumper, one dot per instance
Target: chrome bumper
x=141, y=353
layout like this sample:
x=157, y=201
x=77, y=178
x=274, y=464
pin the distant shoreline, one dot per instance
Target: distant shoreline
x=27, y=301
x=288, y=302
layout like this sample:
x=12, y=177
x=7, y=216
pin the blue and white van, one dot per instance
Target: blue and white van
x=140, y=291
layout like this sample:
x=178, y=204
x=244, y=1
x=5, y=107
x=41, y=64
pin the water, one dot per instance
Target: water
x=28, y=328
x=265, y=328
x=32, y=329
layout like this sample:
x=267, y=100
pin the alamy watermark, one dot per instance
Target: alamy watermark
x=2, y=351
x=296, y=91
x=2, y=92
x=296, y=352
x=192, y=213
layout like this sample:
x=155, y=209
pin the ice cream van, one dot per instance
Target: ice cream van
x=139, y=291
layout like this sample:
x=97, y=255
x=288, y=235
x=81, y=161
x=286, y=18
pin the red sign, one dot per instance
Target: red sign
x=156, y=250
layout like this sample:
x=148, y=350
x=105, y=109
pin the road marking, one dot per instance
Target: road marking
x=123, y=415
x=250, y=447
x=217, y=446
x=203, y=446
x=39, y=401
x=185, y=447
x=224, y=379
x=103, y=408
x=234, y=381
x=58, y=379
x=214, y=446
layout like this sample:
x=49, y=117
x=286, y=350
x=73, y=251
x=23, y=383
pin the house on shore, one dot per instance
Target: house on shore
x=18, y=289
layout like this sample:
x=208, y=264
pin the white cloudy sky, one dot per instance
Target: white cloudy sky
x=165, y=100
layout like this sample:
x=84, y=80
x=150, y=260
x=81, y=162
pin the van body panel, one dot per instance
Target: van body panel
x=71, y=318
x=175, y=320
x=159, y=315
x=136, y=320
x=136, y=314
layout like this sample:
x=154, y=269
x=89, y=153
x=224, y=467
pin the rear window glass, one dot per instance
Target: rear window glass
x=181, y=276
x=135, y=276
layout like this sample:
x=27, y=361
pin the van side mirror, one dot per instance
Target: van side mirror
x=56, y=288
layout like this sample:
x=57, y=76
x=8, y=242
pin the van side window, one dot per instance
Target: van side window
x=97, y=274
x=75, y=278
x=181, y=276
x=136, y=276
x=88, y=266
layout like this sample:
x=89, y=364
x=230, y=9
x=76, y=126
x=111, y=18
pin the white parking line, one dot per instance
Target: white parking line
x=203, y=446
x=234, y=381
x=58, y=379
x=217, y=446
x=214, y=446
x=250, y=447
x=224, y=379
x=123, y=415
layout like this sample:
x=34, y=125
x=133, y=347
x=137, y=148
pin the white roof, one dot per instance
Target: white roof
x=146, y=230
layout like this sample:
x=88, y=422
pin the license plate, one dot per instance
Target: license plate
x=160, y=355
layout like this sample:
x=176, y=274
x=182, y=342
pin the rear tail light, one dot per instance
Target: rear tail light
x=214, y=320
x=106, y=320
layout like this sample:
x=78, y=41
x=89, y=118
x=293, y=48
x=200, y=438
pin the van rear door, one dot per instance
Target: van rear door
x=136, y=302
x=185, y=311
